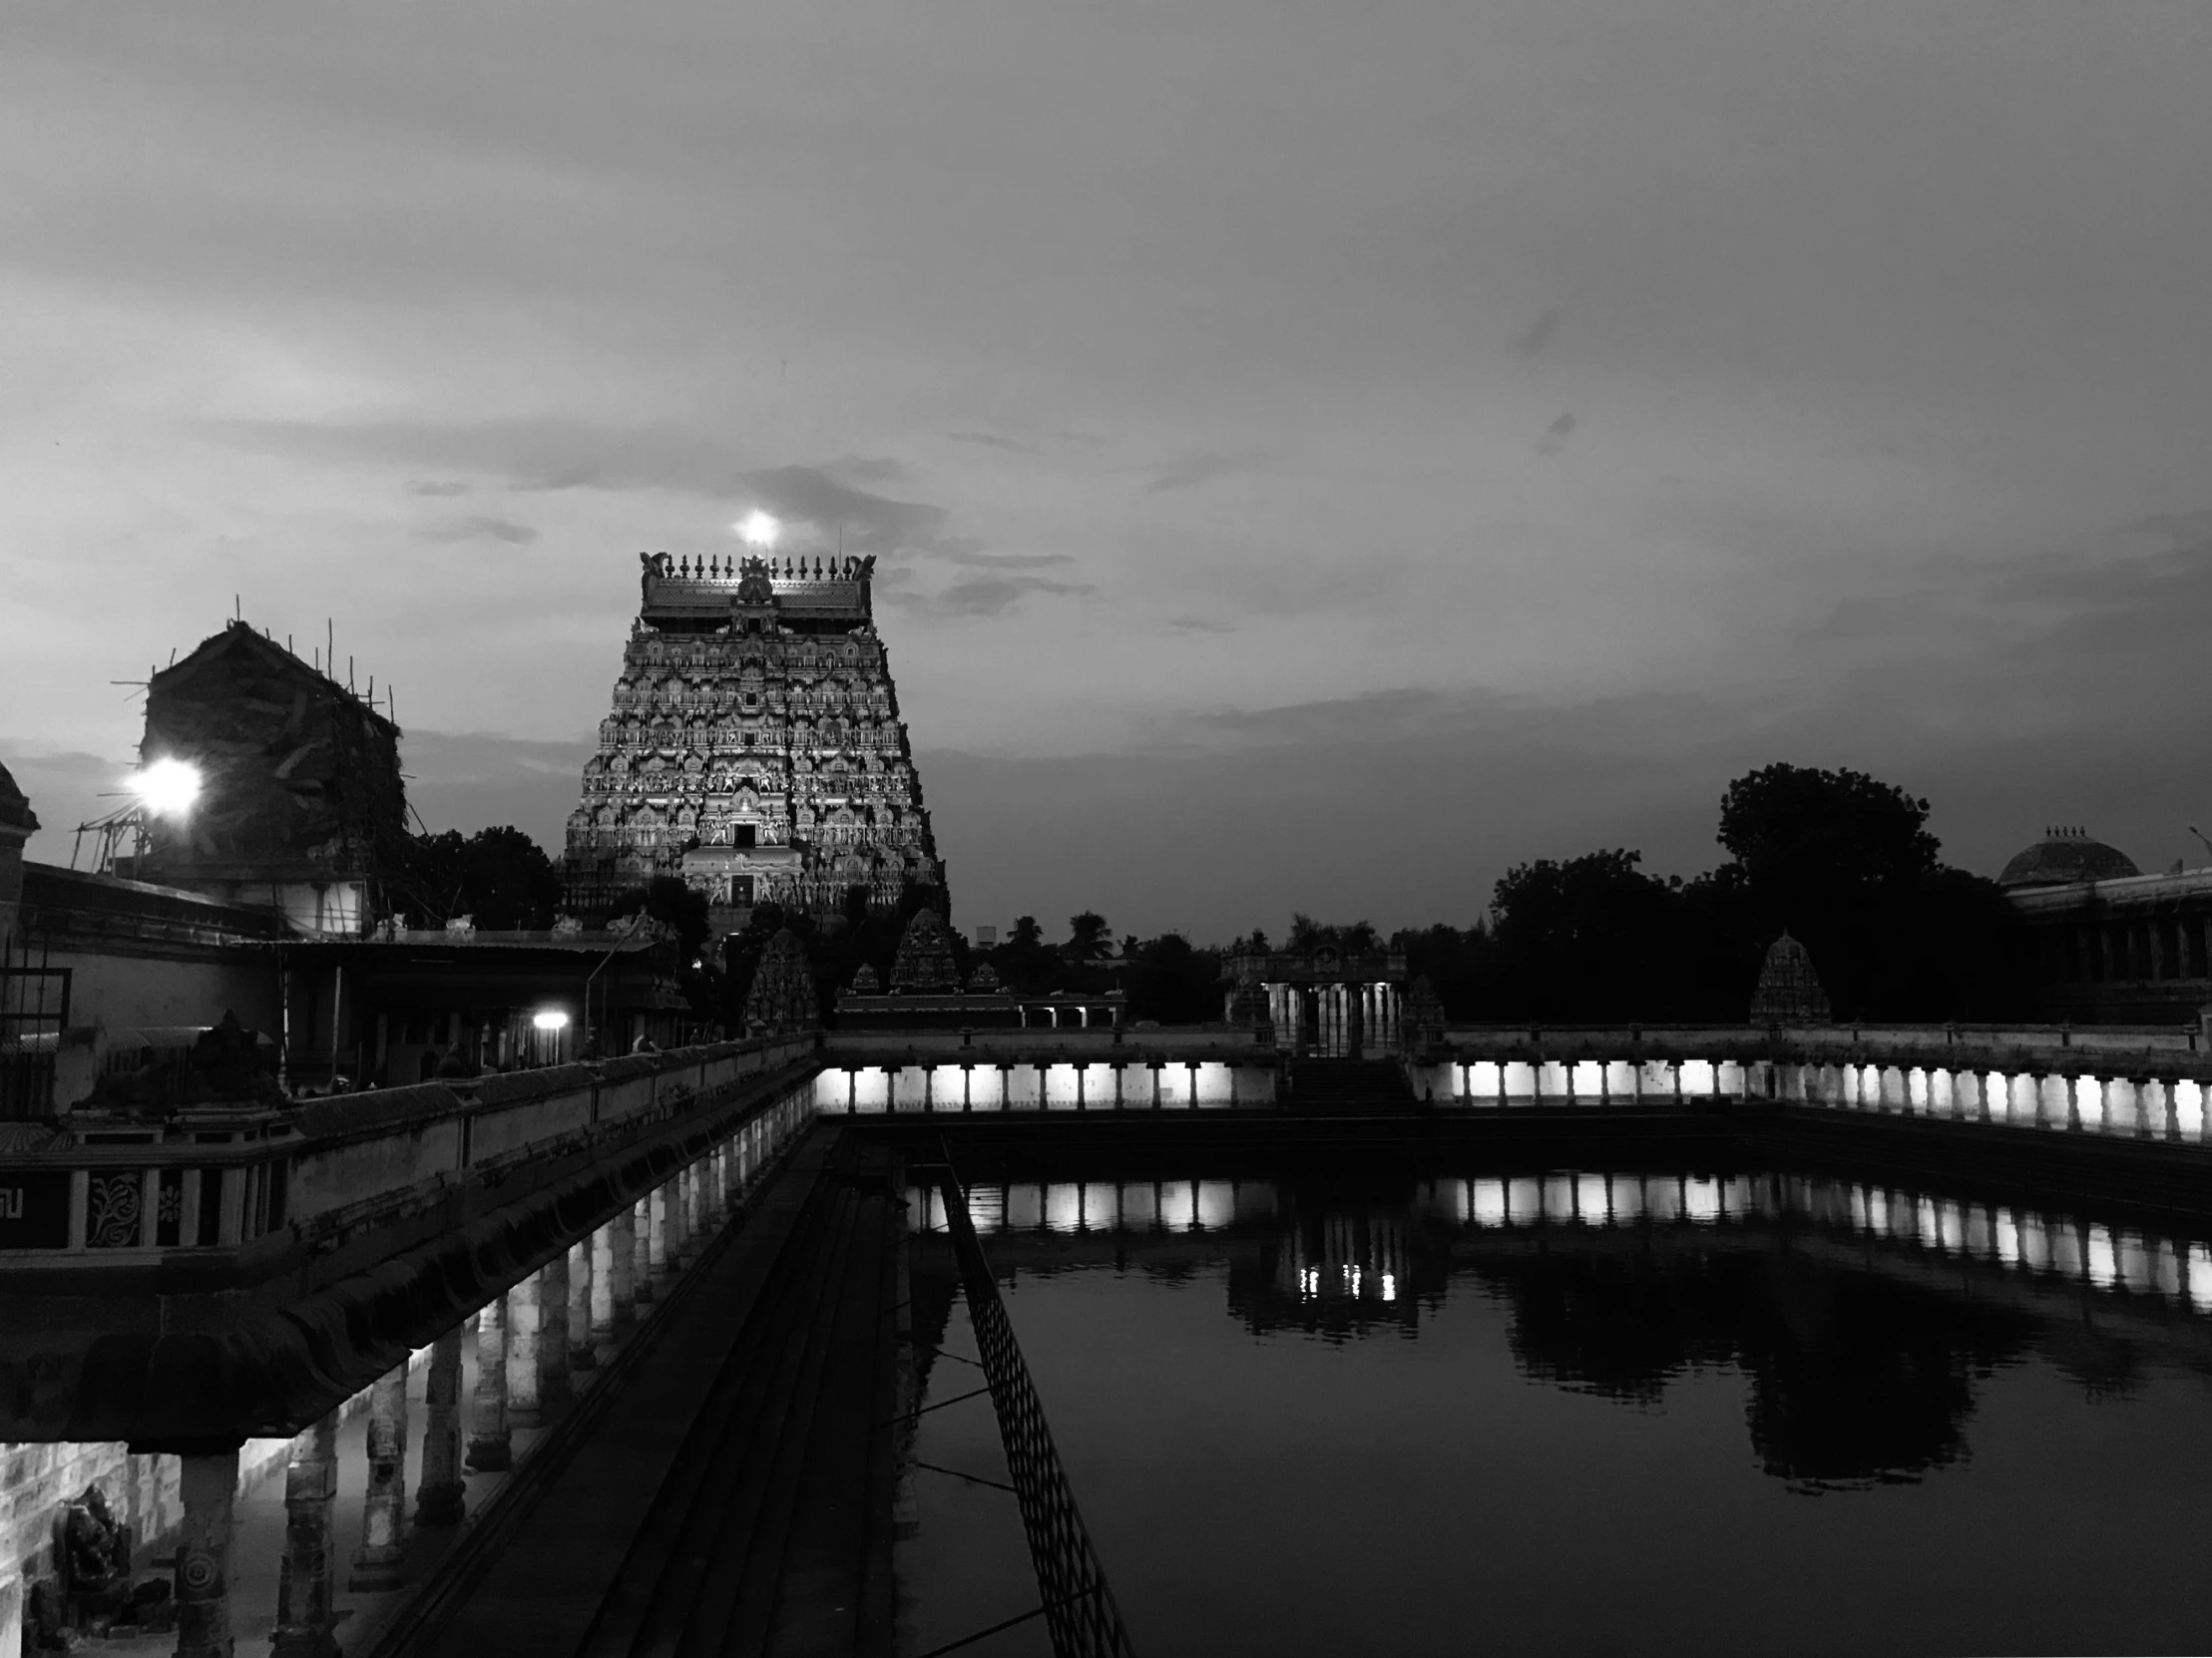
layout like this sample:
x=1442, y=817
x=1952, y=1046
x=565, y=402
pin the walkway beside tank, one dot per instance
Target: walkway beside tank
x=736, y=1496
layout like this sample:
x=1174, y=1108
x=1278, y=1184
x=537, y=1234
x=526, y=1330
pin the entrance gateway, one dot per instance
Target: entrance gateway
x=753, y=748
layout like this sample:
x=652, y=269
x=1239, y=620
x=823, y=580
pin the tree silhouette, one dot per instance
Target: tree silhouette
x=1088, y=938
x=500, y=877
x=1808, y=840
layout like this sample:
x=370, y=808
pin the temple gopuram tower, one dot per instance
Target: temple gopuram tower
x=754, y=747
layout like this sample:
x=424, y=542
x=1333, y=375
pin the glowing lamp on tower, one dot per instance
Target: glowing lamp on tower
x=760, y=530
x=166, y=788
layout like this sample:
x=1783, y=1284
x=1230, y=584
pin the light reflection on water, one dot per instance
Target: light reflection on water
x=1585, y=1410
x=2169, y=1268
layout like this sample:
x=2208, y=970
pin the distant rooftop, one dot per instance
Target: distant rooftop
x=2064, y=857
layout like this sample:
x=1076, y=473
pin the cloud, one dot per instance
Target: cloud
x=2180, y=530
x=1409, y=712
x=478, y=527
x=558, y=454
x=984, y=596
x=1199, y=625
x=991, y=442
x=864, y=521
x=437, y=486
x=1540, y=332
x=547, y=453
x=1555, y=435
x=471, y=780
x=1193, y=470
x=65, y=787
x=1003, y=561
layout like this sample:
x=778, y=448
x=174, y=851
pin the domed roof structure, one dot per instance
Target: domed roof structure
x=2065, y=856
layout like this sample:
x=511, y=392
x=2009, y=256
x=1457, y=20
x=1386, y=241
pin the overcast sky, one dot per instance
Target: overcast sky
x=1318, y=454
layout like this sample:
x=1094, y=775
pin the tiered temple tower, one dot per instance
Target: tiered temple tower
x=754, y=747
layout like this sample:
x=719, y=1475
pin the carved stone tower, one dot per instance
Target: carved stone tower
x=754, y=747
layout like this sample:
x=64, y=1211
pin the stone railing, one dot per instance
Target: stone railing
x=2143, y=1083
x=252, y=1182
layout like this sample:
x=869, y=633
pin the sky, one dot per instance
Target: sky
x=1317, y=456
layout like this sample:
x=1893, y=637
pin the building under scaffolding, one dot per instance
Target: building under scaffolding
x=300, y=807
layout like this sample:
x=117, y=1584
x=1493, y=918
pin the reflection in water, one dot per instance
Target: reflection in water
x=1861, y=1315
x=1334, y=1271
x=1575, y=1411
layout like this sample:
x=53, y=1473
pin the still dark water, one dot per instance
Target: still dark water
x=1582, y=1413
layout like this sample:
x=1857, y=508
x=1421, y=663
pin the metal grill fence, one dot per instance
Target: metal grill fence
x=1078, y=1608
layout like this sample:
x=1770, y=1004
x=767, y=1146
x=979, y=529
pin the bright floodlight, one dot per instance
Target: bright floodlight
x=758, y=528
x=166, y=788
x=550, y=1019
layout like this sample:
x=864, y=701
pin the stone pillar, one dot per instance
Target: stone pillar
x=683, y=1205
x=582, y=1305
x=642, y=1232
x=490, y=1448
x=712, y=1200
x=377, y=1564
x=662, y=1236
x=553, y=1335
x=438, y=1498
x=525, y=1322
x=11, y=1553
x=601, y=1323
x=621, y=1271
x=305, y=1623
x=207, y=1482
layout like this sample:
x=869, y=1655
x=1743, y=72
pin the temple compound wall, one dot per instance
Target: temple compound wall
x=754, y=747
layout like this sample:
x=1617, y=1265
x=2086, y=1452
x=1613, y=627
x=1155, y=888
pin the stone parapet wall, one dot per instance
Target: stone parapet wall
x=256, y=1183
x=257, y=1337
